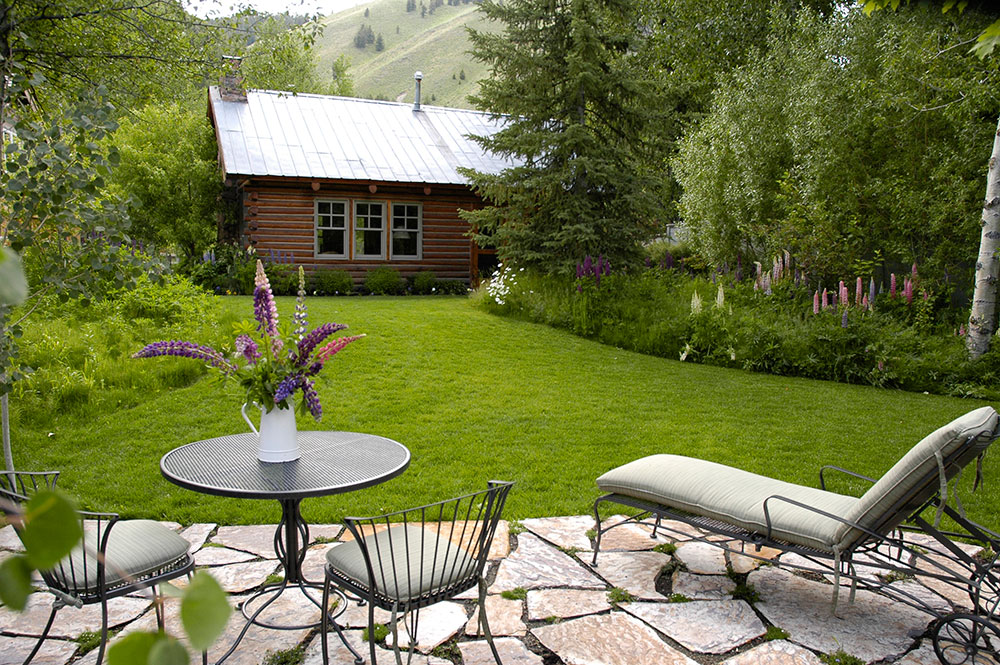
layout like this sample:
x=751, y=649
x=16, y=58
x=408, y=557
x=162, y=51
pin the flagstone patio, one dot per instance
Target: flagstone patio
x=557, y=607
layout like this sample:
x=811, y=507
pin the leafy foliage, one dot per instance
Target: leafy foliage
x=849, y=139
x=383, y=281
x=168, y=171
x=581, y=125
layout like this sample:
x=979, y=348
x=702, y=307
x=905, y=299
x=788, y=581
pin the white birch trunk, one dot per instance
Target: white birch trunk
x=984, y=299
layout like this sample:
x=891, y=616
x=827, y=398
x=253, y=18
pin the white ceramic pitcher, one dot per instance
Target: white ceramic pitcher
x=278, y=441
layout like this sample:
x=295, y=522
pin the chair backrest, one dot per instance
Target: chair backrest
x=915, y=478
x=422, y=555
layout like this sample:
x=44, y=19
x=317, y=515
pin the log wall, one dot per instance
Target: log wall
x=278, y=215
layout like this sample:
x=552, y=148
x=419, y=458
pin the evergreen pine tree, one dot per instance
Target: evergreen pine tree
x=582, y=128
x=367, y=12
x=379, y=43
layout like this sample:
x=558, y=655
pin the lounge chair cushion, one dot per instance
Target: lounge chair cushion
x=136, y=549
x=737, y=497
x=915, y=478
x=732, y=496
x=408, y=562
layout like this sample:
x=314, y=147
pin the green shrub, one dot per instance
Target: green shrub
x=176, y=299
x=424, y=283
x=452, y=287
x=333, y=283
x=283, y=277
x=384, y=281
x=224, y=269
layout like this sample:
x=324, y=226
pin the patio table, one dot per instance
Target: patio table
x=330, y=463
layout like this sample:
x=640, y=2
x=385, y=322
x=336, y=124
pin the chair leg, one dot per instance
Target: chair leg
x=325, y=621
x=45, y=632
x=104, y=631
x=485, y=622
x=371, y=630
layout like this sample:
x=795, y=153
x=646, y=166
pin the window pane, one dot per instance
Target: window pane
x=404, y=243
x=368, y=243
x=331, y=242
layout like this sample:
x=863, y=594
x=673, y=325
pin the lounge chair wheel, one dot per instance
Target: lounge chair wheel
x=984, y=590
x=966, y=639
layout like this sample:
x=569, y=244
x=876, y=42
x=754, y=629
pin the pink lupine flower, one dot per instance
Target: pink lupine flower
x=913, y=270
x=908, y=291
x=842, y=294
x=881, y=366
x=864, y=303
x=826, y=299
x=858, y=292
x=927, y=296
x=816, y=302
x=892, y=286
x=961, y=330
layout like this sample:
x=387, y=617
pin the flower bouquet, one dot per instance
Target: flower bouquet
x=270, y=363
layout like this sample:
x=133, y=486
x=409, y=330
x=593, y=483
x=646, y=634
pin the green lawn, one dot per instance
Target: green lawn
x=476, y=397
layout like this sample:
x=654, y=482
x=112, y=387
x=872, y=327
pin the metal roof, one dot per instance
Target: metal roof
x=316, y=136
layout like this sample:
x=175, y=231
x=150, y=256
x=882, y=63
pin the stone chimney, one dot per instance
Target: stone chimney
x=231, y=83
x=417, y=78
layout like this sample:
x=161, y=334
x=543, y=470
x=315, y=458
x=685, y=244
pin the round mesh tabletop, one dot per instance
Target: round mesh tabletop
x=331, y=463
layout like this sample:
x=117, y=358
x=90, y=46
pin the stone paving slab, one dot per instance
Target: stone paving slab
x=776, y=652
x=704, y=626
x=438, y=623
x=629, y=537
x=503, y=615
x=636, y=572
x=565, y=603
x=220, y=556
x=512, y=652
x=9, y=539
x=197, y=534
x=339, y=654
x=872, y=628
x=702, y=587
x=258, y=539
x=535, y=565
x=702, y=558
x=70, y=621
x=565, y=532
x=53, y=652
x=240, y=577
x=608, y=639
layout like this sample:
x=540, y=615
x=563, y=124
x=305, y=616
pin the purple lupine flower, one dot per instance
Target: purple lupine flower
x=816, y=302
x=579, y=271
x=313, y=339
x=788, y=261
x=287, y=387
x=858, y=292
x=588, y=265
x=871, y=291
x=187, y=350
x=246, y=347
x=301, y=315
x=264, y=309
x=776, y=270
x=843, y=319
x=649, y=262
x=668, y=259
x=892, y=286
x=311, y=398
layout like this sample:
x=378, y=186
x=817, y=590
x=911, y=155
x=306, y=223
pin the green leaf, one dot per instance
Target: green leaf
x=51, y=530
x=204, y=611
x=13, y=285
x=167, y=651
x=132, y=650
x=15, y=582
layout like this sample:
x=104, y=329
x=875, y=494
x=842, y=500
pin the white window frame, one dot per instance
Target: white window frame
x=419, y=230
x=345, y=230
x=355, y=229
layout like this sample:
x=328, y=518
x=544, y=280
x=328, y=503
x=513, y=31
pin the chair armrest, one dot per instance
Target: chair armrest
x=822, y=483
x=805, y=506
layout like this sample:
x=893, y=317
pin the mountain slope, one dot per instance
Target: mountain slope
x=436, y=45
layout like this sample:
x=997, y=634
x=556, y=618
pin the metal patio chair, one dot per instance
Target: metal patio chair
x=413, y=558
x=836, y=533
x=117, y=557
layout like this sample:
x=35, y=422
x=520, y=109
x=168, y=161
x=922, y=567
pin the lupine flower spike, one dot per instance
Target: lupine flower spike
x=892, y=286
x=826, y=299
x=871, y=292
x=301, y=315
x=816, y=302
x=858, y=292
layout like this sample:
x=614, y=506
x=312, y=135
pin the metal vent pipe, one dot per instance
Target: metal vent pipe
x=417, y=77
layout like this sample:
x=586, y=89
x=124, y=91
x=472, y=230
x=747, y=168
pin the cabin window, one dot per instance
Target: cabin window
x=406, y=230
x=369, y=227
x=331, y=228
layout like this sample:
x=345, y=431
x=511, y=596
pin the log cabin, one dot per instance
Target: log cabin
x=352, y=184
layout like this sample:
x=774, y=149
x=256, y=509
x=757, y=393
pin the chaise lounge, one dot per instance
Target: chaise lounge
x=834, y=531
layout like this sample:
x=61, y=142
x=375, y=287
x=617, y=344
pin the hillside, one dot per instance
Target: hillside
x=436, y=44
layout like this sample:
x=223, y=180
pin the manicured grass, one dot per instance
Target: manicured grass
x=478, y=397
